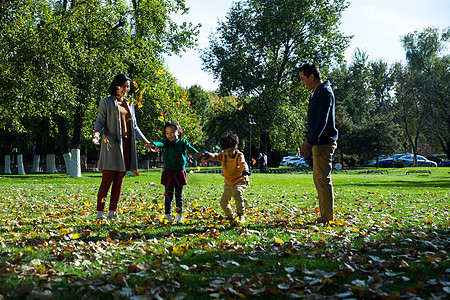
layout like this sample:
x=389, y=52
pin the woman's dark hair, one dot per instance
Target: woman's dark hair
x=309, y=69
x=176, y=127
x=228, y=140
x=117, y=82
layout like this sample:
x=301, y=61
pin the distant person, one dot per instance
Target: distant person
x=262, y=162
x=117, y=124
x=236, y=172
x=321, y=137
x=173, y=176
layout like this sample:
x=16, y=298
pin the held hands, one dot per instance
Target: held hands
x=151, y=146
x=199, y=154
x=305, y=150
x=202, y=157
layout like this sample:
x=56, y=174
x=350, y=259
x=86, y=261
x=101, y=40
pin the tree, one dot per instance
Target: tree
x=364, y=115
x=423, y=86
x=431, y=72
x=255, y=55
x=63, y=54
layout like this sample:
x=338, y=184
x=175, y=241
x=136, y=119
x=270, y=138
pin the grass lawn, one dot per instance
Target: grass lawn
x=390, y=239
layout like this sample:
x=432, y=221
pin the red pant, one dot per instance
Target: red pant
x=116, y=178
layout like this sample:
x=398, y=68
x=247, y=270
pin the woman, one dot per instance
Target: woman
x=118, y=153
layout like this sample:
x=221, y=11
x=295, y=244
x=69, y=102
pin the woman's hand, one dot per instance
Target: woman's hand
x=96, y=138
x=151, y=146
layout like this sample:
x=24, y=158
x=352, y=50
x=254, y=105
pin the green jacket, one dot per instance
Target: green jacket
x=175, y=156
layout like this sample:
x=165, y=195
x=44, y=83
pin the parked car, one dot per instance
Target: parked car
x=444, y=163
x=407, y=160
x=294, y=161
x=287, y=159
x=434, y=158
x=302, y=162
x=386, y=162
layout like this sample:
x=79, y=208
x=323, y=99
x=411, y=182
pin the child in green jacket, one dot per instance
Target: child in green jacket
x=174, y=174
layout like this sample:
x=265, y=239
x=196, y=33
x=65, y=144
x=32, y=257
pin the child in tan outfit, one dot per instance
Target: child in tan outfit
x=236, y=172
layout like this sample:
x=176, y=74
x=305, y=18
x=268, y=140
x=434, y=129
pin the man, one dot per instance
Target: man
x=321, y=138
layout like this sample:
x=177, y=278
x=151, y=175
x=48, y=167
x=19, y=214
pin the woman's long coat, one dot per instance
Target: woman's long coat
x=108, y=123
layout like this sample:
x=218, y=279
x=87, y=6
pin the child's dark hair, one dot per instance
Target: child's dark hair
x=228, y=140
x=176, y=127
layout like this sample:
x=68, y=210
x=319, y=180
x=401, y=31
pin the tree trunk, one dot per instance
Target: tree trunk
x=37, y=153
x=7, y=148
x=64, y=140
x=75, y=162
x=51, y=156
x=50, y=163
x=20, y=165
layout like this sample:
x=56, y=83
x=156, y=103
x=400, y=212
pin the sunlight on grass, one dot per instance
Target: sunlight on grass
x=389, y=237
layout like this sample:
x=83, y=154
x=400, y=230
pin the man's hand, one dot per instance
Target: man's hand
x=305, y=150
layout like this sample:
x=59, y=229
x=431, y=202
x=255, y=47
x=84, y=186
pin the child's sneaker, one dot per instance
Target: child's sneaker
x=169, y=218
x=100, y=218
x=179, y=218
x=114, y=217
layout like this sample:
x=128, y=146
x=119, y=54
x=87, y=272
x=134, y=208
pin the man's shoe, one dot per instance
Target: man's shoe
x=321, y=220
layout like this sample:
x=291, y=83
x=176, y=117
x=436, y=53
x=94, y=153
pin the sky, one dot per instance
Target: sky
x=376, y=27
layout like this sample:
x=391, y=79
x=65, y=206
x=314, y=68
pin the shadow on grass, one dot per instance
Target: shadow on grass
x=442, y=183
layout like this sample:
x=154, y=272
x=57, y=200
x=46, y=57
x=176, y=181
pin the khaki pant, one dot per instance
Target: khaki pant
x=322, y=165
x=236, y=191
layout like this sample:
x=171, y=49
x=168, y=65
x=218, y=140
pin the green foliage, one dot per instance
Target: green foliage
x=255, y=54
x=163, y=100
x=365, y=110
x=62, y=55
x=423, y=86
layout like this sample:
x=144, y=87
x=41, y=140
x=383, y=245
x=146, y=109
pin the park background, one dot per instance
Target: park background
x=59, y=57
x=390, y=235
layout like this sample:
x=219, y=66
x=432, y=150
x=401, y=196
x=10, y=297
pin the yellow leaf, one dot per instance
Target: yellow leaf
x=161, y=118
x=279, y=241
x=160, y=72
x=355, y=230
x=65, y=230
x=75, y=236
x=178, y=250
x=86, y=203
x=242, y=296
x=139, y=104
x=199, y=168
x=327, y=280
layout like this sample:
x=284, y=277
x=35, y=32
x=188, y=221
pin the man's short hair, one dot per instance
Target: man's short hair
x=309, y=69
